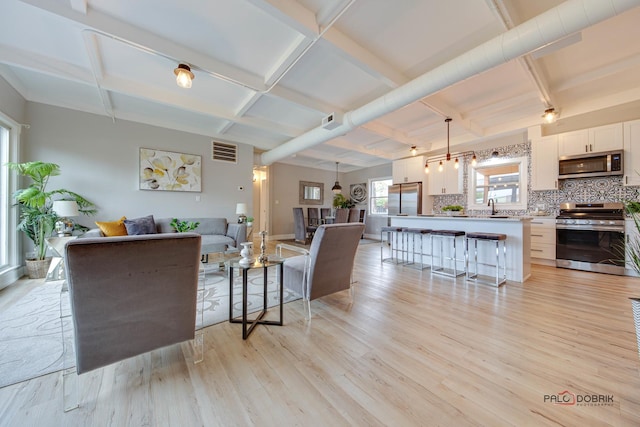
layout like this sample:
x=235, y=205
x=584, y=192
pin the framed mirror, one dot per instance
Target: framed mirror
x=311, y=193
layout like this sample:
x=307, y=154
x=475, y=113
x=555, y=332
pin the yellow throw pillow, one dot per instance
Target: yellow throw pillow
x=113, y=228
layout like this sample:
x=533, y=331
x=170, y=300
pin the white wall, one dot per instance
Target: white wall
x=99, y=159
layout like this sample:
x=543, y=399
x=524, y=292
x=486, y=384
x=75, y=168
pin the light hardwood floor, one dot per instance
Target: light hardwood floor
x=411, y=350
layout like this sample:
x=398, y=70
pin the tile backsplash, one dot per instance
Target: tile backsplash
x=579, y=190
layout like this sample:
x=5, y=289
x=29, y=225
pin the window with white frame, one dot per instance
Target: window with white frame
x=9, y=258
x=379, y=196
x=5, y=201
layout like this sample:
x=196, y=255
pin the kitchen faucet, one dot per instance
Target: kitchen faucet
x=492, y=203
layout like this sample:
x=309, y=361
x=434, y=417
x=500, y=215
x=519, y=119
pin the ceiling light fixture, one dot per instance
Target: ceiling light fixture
x=474, y=160
x=184, y=76
x=448, y=120
x=414, y=150
x=495, y=155
x=440, y=167
x=426, y=167
x=550, y=115
x=456, y=164
x=337, y=189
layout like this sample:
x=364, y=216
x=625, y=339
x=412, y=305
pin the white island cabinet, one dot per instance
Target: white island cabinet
x=517, y=229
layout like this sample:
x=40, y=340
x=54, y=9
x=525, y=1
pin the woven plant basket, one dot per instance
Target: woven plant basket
x=37, y=268
x=635, y=304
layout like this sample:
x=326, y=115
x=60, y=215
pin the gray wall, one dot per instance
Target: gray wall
x=11, y=103
x=99, y=159
x=285, y=180
x=284, y=184
x=375, y=222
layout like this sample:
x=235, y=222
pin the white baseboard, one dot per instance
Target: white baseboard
x=11, y=275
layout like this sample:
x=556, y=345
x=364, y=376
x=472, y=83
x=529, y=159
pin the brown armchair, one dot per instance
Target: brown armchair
x=326, y=267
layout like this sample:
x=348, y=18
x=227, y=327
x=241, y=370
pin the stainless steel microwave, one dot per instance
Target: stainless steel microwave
x=593, y=164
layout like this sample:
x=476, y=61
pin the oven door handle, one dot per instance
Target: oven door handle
x=590, y=228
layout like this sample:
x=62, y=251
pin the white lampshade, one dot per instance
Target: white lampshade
x=65, y=208
x=241, y=209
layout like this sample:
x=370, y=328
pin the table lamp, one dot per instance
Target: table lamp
x=65, y=209
x=241, y=210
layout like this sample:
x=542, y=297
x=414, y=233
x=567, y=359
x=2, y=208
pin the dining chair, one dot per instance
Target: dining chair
x=324, y=213
x=300, y=231
x=354, y=215
x=342, y=215
x=313, y=221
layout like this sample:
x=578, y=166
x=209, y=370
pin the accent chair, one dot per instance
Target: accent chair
x=326, y=267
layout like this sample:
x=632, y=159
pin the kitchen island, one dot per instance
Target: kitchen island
x=517, y=229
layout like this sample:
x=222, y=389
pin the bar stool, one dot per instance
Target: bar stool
x=413, y=233
x=450, y=236
x=394, y=233
x=487, y=237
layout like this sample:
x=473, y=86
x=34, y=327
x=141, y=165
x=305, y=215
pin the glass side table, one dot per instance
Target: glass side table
x=56, y=268
x=247, y=324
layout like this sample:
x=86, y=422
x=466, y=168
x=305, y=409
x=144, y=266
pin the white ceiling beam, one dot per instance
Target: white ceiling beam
x=330, y=10
x=602, y=102
x=79, y=6
x=350, y=147
x=44, y=64
x=605, y=71
x=378, y=128
x=309, y=103
x=95, y=59
x=290, y=13
x=303, y=20
x=503, y=106
x=152, y=93
x=181, y=126
x=7, y=73
x=150, y=42
x=346, y=160
x=437, y=104
x=536, y=76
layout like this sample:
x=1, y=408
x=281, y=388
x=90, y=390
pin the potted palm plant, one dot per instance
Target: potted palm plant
x=37, y=219
x=632, y=251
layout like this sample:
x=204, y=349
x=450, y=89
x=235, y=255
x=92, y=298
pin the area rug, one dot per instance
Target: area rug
x=216, y=294
x=31, y=334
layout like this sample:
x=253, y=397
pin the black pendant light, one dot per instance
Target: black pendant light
x=337, y=189
x=448, y=120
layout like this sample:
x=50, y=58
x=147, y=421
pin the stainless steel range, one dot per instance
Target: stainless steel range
x=590, y=236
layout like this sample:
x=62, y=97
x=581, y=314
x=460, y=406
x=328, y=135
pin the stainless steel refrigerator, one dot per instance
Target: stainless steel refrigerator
x=405, y=199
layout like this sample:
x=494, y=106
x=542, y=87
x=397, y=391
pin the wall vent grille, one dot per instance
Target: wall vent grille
x=224, y=152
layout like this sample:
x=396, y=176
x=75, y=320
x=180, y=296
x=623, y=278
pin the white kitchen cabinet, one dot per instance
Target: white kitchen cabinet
x=631, y=235
x=449, y=181
x=543, y=238
x=410, y=169
x=592, y=140
x=544, y=163
x=632, y=153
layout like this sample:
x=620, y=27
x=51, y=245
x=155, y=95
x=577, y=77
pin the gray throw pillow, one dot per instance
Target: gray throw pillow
x=143, y=225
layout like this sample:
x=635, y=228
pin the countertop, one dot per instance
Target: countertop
x=496, y=218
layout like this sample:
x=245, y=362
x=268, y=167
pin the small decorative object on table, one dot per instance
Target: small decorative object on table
x=263, y=247
x=246, y=253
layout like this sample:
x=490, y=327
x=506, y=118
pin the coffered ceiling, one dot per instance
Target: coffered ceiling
x=268, y=71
